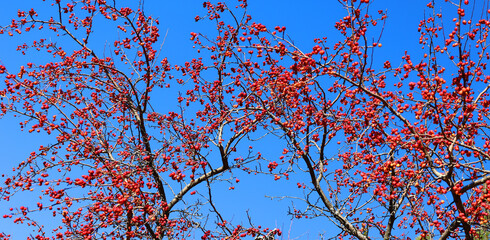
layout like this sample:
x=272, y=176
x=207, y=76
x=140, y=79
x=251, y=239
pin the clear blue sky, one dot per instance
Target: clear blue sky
x=305, y=20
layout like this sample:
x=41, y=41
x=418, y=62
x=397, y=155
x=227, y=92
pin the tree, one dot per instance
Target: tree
x=382, y=151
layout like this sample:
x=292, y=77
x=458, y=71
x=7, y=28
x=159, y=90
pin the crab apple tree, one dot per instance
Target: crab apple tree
x=117, y=168
x=380, y=149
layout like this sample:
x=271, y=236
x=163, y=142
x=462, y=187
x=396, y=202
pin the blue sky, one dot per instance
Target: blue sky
x=305, y=20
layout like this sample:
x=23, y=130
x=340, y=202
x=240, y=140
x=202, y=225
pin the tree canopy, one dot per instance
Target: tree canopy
x=136, y=146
